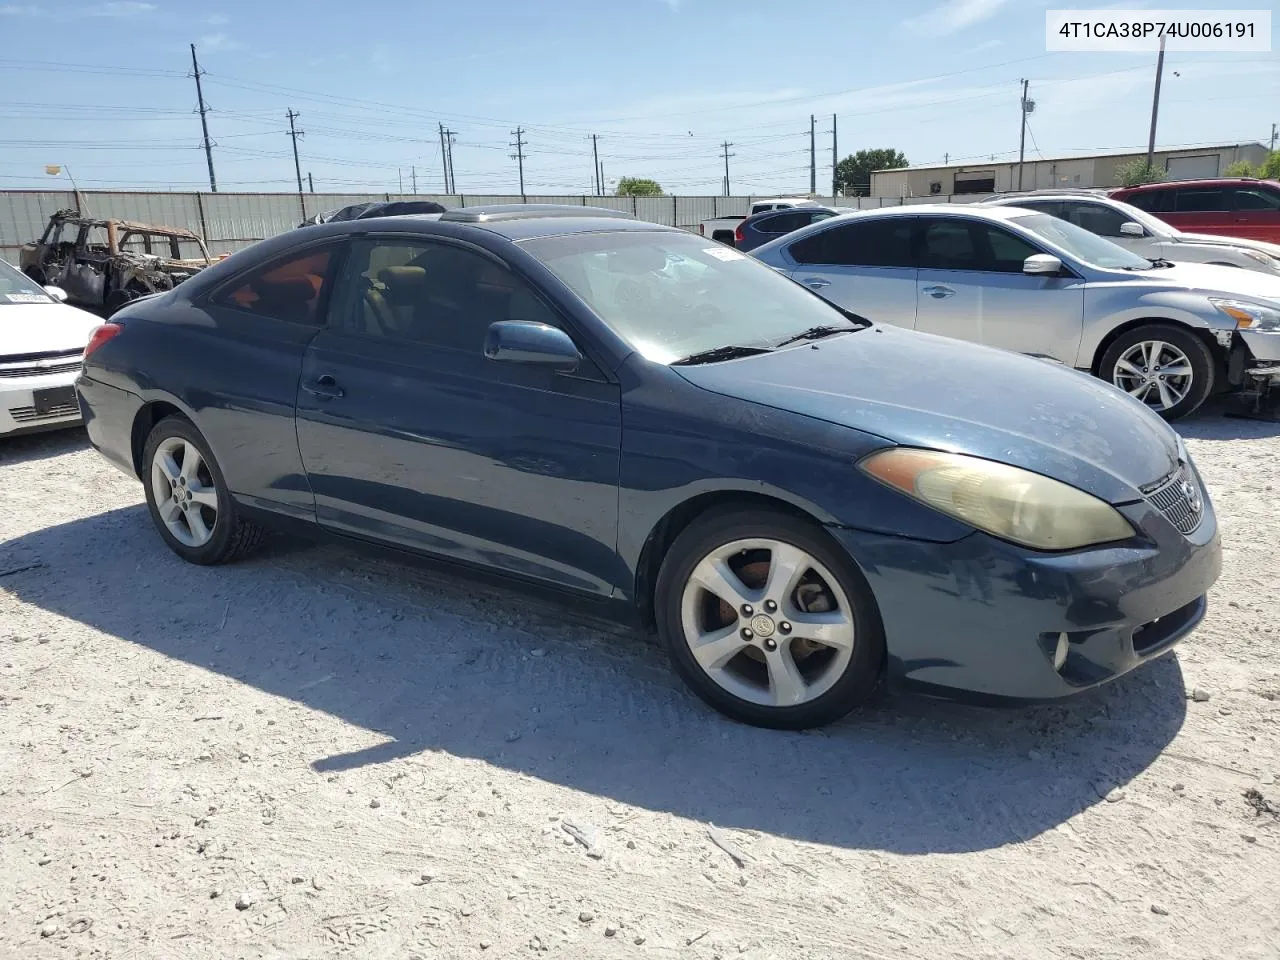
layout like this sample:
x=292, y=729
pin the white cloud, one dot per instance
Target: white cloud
x=20, y=10
x=215, y=20
x=951, y=16
x=674, y=5
x=218, y=41
x=983, y=47
x=117, y=8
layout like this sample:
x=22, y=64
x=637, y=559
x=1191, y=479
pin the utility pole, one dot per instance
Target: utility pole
x=400, y=177
x=1022, y=137
x=204, y=123
x=1273, y=138
x=294, y=134
x=946, y=158
x=813, y=159
x=595, y=162
x=725, y=147
x=448, y=143
x=1155, y=107
x=444, y=161
x=311, y=184
x=835, y=161
x=413, y=173
x=518, y=156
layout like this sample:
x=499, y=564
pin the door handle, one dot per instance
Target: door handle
x=816, y=283
x=324, y=387
x=939, y=292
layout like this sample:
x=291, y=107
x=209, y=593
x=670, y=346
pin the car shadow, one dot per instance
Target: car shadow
x=430, y=661
x=42, y=445
x=1221, y=420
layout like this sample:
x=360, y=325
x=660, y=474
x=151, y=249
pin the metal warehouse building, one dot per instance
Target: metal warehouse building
x=1093, y=170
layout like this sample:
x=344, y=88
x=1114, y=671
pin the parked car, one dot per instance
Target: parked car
x=760, y=228
x=1144, y=234
x=624, y=412
x=1228, y=207
x=41, y=343
x=721, y=229
x=105, y=263
x=378, y=208
x=1169, y=334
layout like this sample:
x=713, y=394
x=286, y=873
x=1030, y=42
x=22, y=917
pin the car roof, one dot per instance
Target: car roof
x=935, y=209
x=1207, y=182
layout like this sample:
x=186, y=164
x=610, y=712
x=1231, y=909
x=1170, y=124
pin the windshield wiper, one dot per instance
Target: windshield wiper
x=815, y=333
x=716, y=354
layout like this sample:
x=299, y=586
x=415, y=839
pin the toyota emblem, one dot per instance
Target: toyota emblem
x=1193, y=496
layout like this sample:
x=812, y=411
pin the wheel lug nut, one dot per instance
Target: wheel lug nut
x=784, y=627
x=747, y=610
x=747, y=634
x=771, y=644
x=770, y=606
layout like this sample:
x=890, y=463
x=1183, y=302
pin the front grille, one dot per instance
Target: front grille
x=1180, y=498
x=39, y=365
x=29, y=414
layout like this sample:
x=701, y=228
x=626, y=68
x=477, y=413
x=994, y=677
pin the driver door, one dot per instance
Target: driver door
x=411, y=436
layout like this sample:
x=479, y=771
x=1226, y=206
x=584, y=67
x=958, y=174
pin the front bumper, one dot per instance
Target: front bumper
x=19, y=412
x=979, y=618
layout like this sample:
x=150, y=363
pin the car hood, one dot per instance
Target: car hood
x=1270, y=249
x=27, y=328
x=919, y=390
x=1213, y=280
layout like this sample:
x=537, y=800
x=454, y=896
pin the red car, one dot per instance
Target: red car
x=1233, y=207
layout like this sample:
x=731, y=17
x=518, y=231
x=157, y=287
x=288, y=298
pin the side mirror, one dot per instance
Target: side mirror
x=1042, y=264
x=1131, y=229
x=525, y=341
x=56, y=292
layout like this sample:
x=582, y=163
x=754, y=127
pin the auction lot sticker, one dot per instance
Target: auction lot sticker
x=1124, y=31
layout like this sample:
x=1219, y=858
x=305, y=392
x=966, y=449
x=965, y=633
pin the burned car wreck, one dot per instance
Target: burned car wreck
x=103, y=263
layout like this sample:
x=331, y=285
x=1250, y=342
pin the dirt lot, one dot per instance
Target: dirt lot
x=316, y=754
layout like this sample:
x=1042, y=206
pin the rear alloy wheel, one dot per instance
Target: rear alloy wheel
x=768, y=621
x=188, y=497
x=1167, y=368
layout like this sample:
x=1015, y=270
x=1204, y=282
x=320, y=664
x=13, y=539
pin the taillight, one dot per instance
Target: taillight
x=738, y=235
x=101, y=335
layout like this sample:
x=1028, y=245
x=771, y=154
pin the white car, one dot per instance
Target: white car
x=41, y=343
x=1144, y=234
x=1168, y=334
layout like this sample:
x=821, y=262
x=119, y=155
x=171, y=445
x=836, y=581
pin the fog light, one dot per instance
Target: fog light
x=1060, y=652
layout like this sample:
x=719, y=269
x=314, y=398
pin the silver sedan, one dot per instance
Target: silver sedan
x=1168, y=334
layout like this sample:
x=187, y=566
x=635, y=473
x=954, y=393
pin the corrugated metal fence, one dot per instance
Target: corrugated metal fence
x=231, y=221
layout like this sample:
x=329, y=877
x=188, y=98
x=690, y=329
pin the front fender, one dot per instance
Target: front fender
x=1109, y=307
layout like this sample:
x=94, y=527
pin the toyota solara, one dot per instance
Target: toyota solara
x=802, y=504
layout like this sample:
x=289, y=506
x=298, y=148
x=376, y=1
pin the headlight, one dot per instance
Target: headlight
x=1005, y=501
x=1252, y=316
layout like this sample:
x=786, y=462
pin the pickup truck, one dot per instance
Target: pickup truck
x=721, y=229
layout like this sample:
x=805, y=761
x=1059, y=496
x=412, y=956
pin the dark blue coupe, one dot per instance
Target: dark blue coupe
x=801, y=503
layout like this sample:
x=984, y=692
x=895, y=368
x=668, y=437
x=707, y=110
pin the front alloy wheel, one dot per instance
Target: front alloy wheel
x=768, y=619
x=1155, y=372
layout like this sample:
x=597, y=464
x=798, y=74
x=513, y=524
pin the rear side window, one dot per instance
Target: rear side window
x=879, y=242
x=290, y=289
x=1257, y=198
x=1201, y=200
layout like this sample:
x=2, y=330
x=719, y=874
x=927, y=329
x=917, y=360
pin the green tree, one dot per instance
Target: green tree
x=1241, y=168
x=1137, y=172
x=1270, y=169
x=639, y=187
x=853, y=173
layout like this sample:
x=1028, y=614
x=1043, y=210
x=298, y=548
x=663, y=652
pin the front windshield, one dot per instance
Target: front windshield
x=672, y=295
x=16, y=287
x=1080, y=243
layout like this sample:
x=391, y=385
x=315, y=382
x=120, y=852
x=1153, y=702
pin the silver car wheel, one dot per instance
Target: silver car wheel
x=1155, y=372
x=767, y=622
x=185, y=495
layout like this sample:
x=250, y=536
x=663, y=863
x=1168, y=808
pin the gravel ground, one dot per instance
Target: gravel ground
x=317, y=754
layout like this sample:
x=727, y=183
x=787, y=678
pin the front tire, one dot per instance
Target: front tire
x=768, y=620
x=188, y=498
x=1167, y=367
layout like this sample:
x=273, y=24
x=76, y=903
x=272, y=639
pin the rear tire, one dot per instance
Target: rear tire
x=1142, y=362
x=188, y=498
x=790, y=642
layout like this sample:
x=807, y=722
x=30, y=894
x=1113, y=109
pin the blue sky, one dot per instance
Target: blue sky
x=662, y=82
